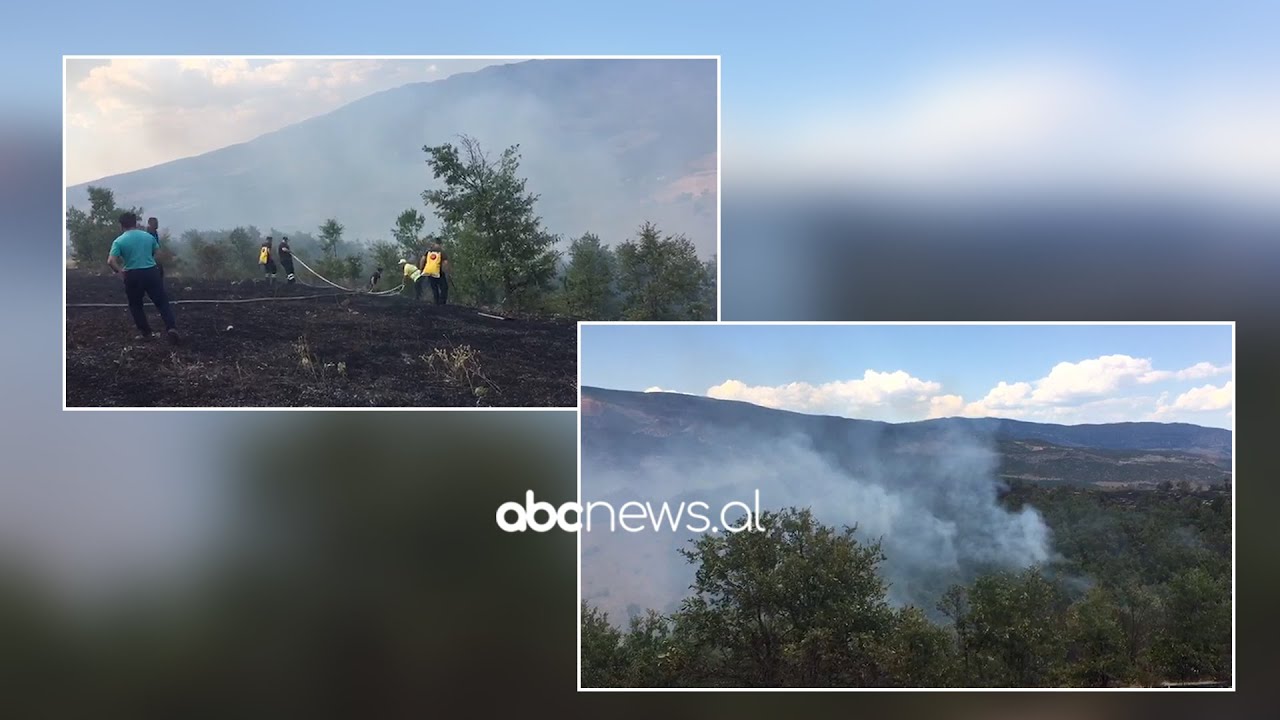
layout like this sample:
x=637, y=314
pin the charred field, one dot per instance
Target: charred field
x=298, y=350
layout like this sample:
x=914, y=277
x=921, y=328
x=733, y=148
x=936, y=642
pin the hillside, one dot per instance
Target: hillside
x=949, y=501
x=606, y=143
x=627, y=426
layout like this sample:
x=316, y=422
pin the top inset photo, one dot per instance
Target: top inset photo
x=376, y=232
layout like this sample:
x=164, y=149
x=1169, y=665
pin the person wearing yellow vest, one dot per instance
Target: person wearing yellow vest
x=435, y=263
x=413, y=276
x=265, y=260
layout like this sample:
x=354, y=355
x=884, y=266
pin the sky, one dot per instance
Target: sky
x=126, y=114
x=1062, y=374
x=997, y=94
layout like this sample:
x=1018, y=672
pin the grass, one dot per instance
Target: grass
x=310, y=362
x=461, y=365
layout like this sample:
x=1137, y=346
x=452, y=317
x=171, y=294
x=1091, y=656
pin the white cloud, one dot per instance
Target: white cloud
x=943, y=406
x=1114, y=409
x=1199, y=371
x=888, y=394
x=1091, y=390
x=1075, y=384
x=1097, y=376
x=1205, y=398
x=125, y=114
x=654, y=389
x=1001, y=398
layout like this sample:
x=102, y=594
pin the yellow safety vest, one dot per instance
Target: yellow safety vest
x=412, y=272
x=431, y=264
x=263, y=255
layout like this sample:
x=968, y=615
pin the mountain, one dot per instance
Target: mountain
x=622, y=426
x=930, y=491
x=607, y=144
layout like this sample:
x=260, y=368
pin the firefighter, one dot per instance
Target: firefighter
x=435, y=264
x=413, y=275
x=265, y=260
x=286, y=259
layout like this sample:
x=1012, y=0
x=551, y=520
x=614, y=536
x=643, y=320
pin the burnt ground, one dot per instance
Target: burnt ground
x=338, y=350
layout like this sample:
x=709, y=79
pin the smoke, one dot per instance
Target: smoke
x=934, y=505
x=606, y=145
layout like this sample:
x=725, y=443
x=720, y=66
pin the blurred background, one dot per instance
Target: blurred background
x=985, y=160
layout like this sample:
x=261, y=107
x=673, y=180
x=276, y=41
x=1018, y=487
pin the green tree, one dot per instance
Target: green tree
x=1098, y=649
x=330, y=265
x=602, y=660
x=1139, y=613
x=707, y=306
x=1194, y=642
x=211, y=257
x=243, y=252
x=486, y=202
x=661, y=278
x=647, y=652
x=387, y=255
x=476, y=275
x=1009, y=627
x=92, y=233
x=589, y=279
x=408, y=234
x=797, y=604
x=330, y=238
x=920, y=653
x=355, y=268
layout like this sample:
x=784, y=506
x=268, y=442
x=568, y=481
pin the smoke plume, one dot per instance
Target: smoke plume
x=933, y=505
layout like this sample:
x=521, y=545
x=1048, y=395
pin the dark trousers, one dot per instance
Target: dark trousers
x=287, y=261
x=440, y=289
x=149, y=282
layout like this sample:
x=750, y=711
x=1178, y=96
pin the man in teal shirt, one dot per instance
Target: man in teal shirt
x=133, y=254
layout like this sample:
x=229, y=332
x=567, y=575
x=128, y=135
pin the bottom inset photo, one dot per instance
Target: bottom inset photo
x=850, y=506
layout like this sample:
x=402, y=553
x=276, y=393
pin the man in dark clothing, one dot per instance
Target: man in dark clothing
x=133, y=254
x=375, y=279
x=286, y=259
x=153, y=227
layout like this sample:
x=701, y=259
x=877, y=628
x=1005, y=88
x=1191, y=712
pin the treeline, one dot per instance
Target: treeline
x=212, y=254
x=500, y=254
x=804, y=605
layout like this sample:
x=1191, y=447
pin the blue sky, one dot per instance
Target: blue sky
x=776, y=57
x=1011, y=94
x=1068, y=374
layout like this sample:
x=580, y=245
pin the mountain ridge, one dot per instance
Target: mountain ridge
x=627, y=425
x=982, y=420
x=607, y=144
